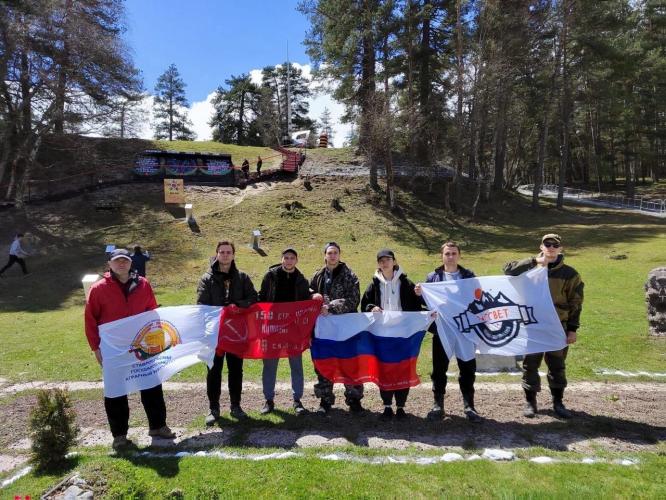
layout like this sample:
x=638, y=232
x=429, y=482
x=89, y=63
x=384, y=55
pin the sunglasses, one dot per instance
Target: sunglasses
x=553, y=245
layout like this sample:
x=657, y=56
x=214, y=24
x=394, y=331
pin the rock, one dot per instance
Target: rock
x=72, y=492
x=492, y=454
x=655, y=297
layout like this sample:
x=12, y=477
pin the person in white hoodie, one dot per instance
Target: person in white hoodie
x=390, y=290
x=16, y=254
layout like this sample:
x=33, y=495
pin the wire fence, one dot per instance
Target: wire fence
x=614, y=200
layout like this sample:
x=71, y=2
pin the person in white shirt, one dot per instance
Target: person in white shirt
x=16, y=254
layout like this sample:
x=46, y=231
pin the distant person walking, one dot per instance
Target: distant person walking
x=16, y=254
x=260, y=162
x=245, y=168
x=139, y=259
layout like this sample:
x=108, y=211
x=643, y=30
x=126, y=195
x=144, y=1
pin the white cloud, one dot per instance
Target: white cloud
x=200, y=113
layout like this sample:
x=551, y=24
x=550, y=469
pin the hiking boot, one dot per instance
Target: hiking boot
x=558, y=405
x=561, y=410
x=355, y=406
x=472, y=415
x=269, y=406
x=237, y=412
x=530, y=409
x=212, y=417
x=436, y=413
x=299, y=409
x=387, y=416
x=324, y=409
x=121, y=443
x=163, y=432
x=400, y=414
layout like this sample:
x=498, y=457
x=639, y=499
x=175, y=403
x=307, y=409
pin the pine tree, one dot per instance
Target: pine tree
x=274, y=79
x=170, y=107
x=236, y=109
x=326, y=126
x=52, y=429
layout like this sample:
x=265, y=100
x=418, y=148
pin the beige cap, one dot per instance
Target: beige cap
x=551, y=236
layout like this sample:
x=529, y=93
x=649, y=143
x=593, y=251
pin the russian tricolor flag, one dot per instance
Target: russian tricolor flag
x=370, y=347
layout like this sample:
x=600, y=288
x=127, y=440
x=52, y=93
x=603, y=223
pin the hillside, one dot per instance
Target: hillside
x=69, y=239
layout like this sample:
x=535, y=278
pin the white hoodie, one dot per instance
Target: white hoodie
x=390, y=291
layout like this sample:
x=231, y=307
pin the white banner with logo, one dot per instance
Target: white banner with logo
x=142, y=351
x=503, y=315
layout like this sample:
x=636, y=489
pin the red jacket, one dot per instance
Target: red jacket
x=107, y=302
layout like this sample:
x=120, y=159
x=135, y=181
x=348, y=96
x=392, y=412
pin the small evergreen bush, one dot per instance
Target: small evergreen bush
x=53, y=429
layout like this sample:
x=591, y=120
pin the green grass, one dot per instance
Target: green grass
x=193, y=477
x=41, y=325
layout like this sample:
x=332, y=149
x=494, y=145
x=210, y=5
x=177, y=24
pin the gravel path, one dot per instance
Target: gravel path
x=608, y=416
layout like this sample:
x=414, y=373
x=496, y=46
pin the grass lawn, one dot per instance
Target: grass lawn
x=271, y=158
x=41, y=320
x=195, y=477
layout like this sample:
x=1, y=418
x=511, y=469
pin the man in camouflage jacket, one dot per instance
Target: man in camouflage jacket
x=566, y=290
x=341, y=292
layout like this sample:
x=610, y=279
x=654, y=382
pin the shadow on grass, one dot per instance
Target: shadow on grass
x=510, y=224
x=61, y=469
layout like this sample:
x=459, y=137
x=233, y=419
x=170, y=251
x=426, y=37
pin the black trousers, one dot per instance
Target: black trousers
x=117, y=410
x=12, y=260
x=234, y=380
x=400, y=397
x=440, y=363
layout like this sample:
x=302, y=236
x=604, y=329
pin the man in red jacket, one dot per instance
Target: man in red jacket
x=116, y=296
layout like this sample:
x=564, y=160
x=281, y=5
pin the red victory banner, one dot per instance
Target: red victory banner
x=267, y=329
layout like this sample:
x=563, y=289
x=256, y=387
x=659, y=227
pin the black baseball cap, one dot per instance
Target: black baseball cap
x=385, y=252
x=120, y=253
x=290, y=250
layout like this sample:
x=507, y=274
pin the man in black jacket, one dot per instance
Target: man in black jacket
x=284, y=283
x=224, y=285
x=451, y=270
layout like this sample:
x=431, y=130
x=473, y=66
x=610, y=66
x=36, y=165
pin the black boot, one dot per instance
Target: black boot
x=437, y=412
x=530, y=409
x=558, y=406
x=469, y=410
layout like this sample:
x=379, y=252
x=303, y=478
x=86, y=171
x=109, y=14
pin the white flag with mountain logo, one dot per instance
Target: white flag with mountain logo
x=142, y=351
x=502, y=315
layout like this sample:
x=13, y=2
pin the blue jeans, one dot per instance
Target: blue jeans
x=269, y=374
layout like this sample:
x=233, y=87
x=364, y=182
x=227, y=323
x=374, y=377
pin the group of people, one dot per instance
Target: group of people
x=120, y=294
x=245, y=167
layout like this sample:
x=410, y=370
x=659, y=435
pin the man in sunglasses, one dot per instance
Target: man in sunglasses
x=566, y=290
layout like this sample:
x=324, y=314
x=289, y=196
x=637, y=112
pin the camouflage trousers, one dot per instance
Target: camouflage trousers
x=323, y=390
x=555, y=361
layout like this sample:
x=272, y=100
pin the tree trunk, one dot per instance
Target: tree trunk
x=538, y=175
x=565, y=106
x=460, y=75
x=500, y=135
x=63, y=68
x=239, y=127
x=425, y=85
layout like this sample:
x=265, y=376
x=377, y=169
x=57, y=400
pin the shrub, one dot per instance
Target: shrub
x=52, y=429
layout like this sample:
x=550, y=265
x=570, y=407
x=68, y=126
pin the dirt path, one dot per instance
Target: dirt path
x=621, y=417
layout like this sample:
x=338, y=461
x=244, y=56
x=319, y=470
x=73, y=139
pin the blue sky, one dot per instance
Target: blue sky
x=209, y=40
